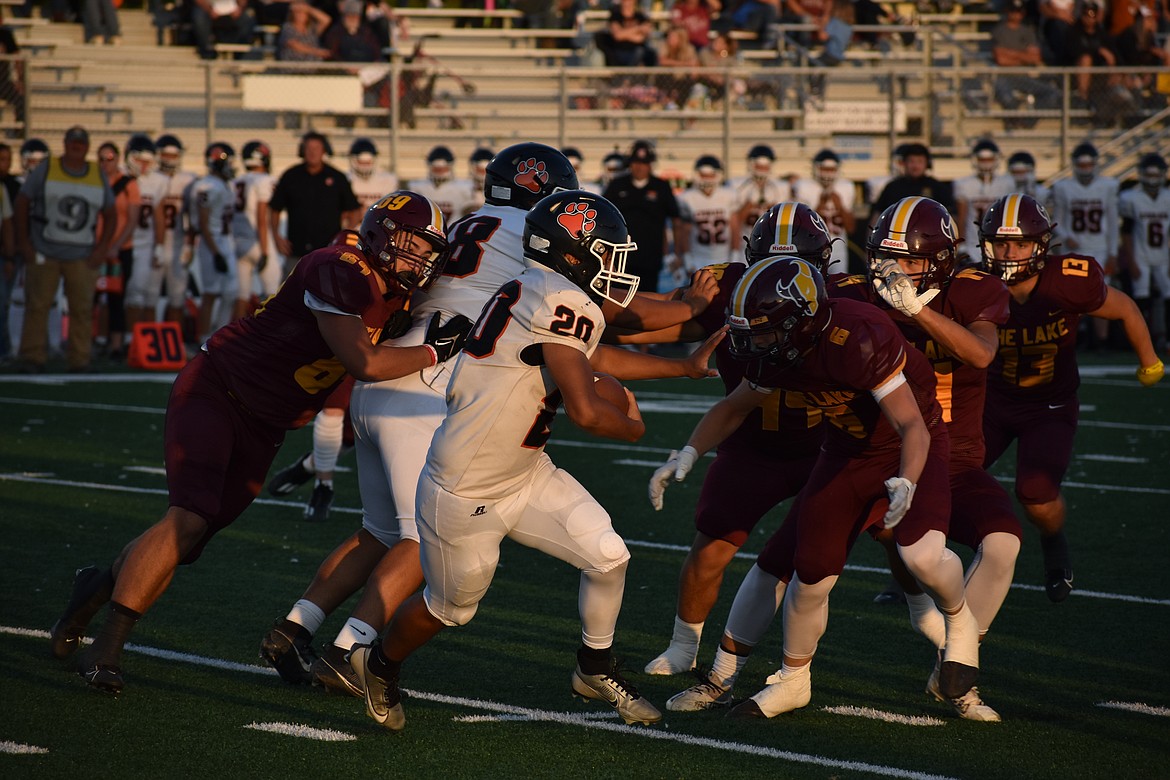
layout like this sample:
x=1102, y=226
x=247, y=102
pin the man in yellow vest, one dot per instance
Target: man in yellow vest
x=56, y=217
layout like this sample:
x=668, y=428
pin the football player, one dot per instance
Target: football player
x=612, y=166
x=256, y=255
x=884, y=439
x=144, y=287
x=974, y=193
x=368, y=183
x=1145, y=230
x=32, y=153
x=213, y=204
x=257, y=378
x=173, y=248
x=710, y=208
x=832, y=198
x=453, y=196
x=487, y=475
x=1032, y=384
x=576, y=159
x=1022, y=168
x=477, y=169
x=757, y=191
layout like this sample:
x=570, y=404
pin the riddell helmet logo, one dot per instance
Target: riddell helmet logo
x=531, y=175
x=578, y=219
x=796, y=283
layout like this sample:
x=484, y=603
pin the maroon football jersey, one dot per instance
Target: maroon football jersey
x=784, y=425
x=960, y=389
x=1037, y=361
x=276, y=362
x=859, y=351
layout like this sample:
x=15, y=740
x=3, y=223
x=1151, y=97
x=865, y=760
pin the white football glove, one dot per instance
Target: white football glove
x=901, y=493
x=676, y=468
x=897, y=289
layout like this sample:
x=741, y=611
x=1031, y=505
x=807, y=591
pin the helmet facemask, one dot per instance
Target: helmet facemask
x=423, y=266
x=611, y=281
x=362, y=164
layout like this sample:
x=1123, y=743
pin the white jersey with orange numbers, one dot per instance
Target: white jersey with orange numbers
x=819, y=198
x=453, y=197
x=251, y=189
x=710, y=217
x=153, y=189
x=979, y=193
x=1088, y=215
x=370, y=189
x=760, y=194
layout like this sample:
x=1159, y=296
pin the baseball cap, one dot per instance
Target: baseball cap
x=642, y=151
x=77, y=133
x=351, y=7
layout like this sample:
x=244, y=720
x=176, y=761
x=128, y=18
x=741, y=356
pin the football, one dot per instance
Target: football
x=611, y=390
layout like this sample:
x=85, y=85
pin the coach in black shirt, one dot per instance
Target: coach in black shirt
x=646, y=202
x=916, y=181
x=318, y=199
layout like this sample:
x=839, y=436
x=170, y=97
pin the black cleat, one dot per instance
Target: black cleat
x=747, y=709
x=107, y=679
x=318, y=509
x=288, y=648
x=290, y=478
x=92, y=587
x=1058, y=583
x=333, y=672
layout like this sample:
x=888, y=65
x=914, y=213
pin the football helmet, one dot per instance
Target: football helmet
x=139, y=154
x=1152, y=173
x=573, y=154
x=916, y=229
x=478, y=161
x=363, y=156
x=439, y=162
x=791, y=229
x=32, y=152
x=170, y=153
x=257, y=154
x=522, y=174
x=387, y=232
x=1084, y=160
x=708, y=173
x=1022, y=167
x=613, y=164
x=760, y=158
x=985, y=157
x=1018, y=218
x=221, y=158
x=583, y=237
x=826, y=165
x=777, y=312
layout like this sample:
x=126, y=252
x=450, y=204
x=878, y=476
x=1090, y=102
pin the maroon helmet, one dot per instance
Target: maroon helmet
x=1015, y=217
x=916, y=229
x=388, y=230
x=778, y=310
x=791, y=229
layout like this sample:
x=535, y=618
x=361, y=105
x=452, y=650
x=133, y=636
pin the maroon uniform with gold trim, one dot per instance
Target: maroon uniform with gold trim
x=260, y=377
x=979, y=505
x=774, y=449
x=860, y=350
x=1032, y=385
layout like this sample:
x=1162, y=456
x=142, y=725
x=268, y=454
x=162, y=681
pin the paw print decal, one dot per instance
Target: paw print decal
x=531, y=175
x=577, y=219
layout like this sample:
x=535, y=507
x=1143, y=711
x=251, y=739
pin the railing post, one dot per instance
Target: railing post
x=395, y=110
x=24, y=92
x=727, y=113
x=893, y=107
x=210, y=100
x=928, y=57
x=562, y=105
x=1065, y=113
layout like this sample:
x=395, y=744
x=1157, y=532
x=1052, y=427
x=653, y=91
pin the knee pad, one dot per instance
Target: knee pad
x=590, y=527
x=447, y=613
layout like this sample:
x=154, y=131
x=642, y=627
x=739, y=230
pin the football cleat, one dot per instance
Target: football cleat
x=383, y=699
x=92, y=587
x=960, y=664
x=969, y=705
x=317, y=510
x=107, y=679
x=333, y=672
x=703, y=695
x=782, y=694
x=1058, y=583
x=615, y=689
x=288, y=649
x=673, y=660
x=290, y=478
x=892, y=594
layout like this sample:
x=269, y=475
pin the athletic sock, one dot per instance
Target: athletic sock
x=307, y=615
x=594, y=661
x=355, y=632
x=1055, y=549
x=107, y=647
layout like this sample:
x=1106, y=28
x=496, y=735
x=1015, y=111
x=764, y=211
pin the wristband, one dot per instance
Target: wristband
x=434, y=355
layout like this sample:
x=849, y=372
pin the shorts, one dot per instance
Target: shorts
x=727, y=511
x=1044, y=435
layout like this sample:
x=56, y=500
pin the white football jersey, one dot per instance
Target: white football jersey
x=251, y=189
x=817, y=197
x=979, y=193
x=710, y=217
x=153, y=188
x=761, y=194
x=1151, y=222
x=370, y=189
x=1088, y=214
x=501, y=401
x=218, y=197
x=172, y=209
x=452, y=197
x=1039, y=192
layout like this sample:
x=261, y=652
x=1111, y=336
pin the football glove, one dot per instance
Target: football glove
x=1151, y=375
x=901, y=493
x=897, y=289
x=397, y=325
x=220, y=263
x=446, y=340
x=676, y=468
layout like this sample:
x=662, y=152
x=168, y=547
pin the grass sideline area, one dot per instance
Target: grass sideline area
x=1083, y=687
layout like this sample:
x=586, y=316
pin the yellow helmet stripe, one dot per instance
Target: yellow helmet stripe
x=1011, y=210
x=784, y=224
x=901, y=220
x=739, y=294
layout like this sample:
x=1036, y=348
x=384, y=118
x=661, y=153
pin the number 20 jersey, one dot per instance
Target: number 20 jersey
x=1036, y=361
x=501, y=400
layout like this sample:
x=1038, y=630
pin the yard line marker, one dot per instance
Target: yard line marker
x=1136, y=706
x=18, y=748
x=1111, y=458
x=303, y=730
x=888, y=717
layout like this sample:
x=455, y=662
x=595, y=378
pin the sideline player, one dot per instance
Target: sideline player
x=974, y=193
x=256, y=255
x=213, y=204
x=144, y=287
x=710, y=207
x=832, y=198
x=1145, y=242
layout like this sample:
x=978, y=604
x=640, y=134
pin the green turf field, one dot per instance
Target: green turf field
x=80, y=475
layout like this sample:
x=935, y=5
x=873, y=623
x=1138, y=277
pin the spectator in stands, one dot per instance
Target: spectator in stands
x=915, y=181
x=272, y=12
x=626, y=40
x=1057, y=18
x=57, y=249
x=350, y=39
x=722, y=52
x=1016, y=43
x=695, y=16
x=677, y=52
x=99, y=19
x=300, y=36
x=1123, y=13
x=1138, y=47
x=221, y=21
x=817, y=12
x=755, y=17
x=120, y=255
x=9, y=187
x=1088, y=45
x=11, y=75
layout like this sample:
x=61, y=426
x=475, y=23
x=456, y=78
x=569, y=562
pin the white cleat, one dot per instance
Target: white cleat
x=615, y=690
x=674, y=660
x=383, y=701
x=969, y=705
x=703, y=695
x=783, y=694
